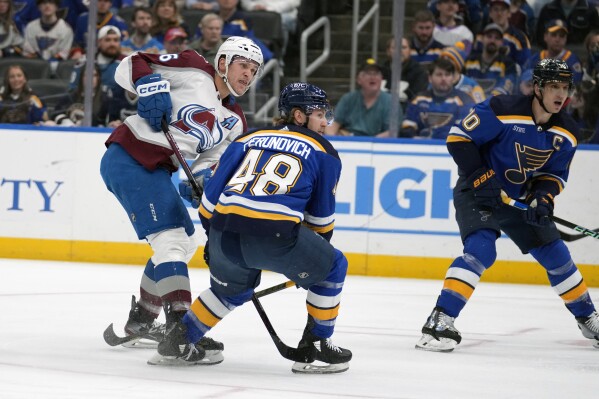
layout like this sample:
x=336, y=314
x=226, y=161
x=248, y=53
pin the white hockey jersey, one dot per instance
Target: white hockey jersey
x=197, y=110
x=54, y=43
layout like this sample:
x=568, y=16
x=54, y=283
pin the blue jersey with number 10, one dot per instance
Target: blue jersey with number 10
x=515, y=147
x=269, y=181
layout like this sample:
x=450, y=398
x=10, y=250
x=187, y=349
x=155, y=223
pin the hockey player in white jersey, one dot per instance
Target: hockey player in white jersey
x=198, y=103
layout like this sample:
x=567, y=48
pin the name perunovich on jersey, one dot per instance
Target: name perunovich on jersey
x=269, y=181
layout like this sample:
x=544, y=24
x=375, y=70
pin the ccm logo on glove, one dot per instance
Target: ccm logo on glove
x=483, y=178
x=162, y=86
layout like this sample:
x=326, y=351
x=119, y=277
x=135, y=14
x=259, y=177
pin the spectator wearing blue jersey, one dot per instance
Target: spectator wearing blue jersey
x=578, y=15
x=141, y=39
x=424, y=48
x=463, y=83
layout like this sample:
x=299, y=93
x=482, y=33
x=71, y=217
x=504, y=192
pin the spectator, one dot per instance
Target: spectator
x=211, y=26
x=166, y=15
x=556, y=35
x=48, y=37
x=456, y=55
x=470, y=12
x=449, y=29
x=414, y=77
x=10, y=37
x=175, y=40
x=433, y=112
x=525, y=83
x=523, y=17
x=141, y=39
x=18, y=103
x=288, y=10
x=237, y=24
x=584, y=110
x=515, y=39
x=364, y=111
x=579, y=18
x=495, y=72
x=205, y=5
x=591, y=44
x=105, y=18
x=425, y=49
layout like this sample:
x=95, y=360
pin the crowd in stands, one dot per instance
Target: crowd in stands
x=458, y=53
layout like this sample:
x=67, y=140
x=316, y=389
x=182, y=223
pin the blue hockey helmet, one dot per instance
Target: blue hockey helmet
x=306, y=97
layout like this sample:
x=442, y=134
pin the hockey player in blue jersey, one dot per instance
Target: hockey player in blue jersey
x=270, y=205
x=521, y=146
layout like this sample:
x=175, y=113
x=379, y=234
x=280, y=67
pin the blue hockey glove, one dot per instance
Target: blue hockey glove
x=186, y=190
x=540, y=208
x=154, y=100
x=487, y=190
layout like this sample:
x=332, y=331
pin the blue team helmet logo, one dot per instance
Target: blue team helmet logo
x=201, y=123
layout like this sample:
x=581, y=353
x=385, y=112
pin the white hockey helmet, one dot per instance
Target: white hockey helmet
x=237, y=46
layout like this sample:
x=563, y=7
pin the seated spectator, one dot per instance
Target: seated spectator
x=516, y=40
x=469, y=13
x=424, y=48
x=236, y=24
x=48, y=37
x=591, y=44
x=211, y=26
x=495, y=72
x=18, y=103
x=525, y=83
x=364, y=111
x=556, y=35
x=287, y=8
x=433, y=112
x=456, y=55
x=523, y=17
x=584, y=110
x=449, y=29
x=414, y=77
x=206, y=5
x=11, y=41
x=105, y=18
x=175, y=40
x=166, y=15
x=579, y=18
x=141, y=39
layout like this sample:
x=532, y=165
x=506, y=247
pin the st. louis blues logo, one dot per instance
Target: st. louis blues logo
x=201, y=123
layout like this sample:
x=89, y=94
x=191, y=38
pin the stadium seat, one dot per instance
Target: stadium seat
x=35, y=68
x=192, y=18
x=267, y=26
x=51, y=91
x=65, y=69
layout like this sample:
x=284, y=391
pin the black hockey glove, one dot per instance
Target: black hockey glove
x=540, y=208
x=487, y=190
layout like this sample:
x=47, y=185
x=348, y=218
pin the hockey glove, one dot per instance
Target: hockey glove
x=186, y=190
x=540, y=208
x=154, y=100
x=487, y=190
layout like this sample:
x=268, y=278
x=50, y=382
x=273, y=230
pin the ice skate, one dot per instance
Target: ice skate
x=175, y=350
x=328, y=358
x=589, y=326
x=144, y=325
x=438, y=333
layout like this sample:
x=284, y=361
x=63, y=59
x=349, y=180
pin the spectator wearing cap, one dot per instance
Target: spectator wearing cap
x=211, y=26
x=175, y=40
x=516, y=40
x=364, y=111
x=48, y=37
x=456, y=55
x=578, y=16
x=141, y=39
x=493, y=70
x=104, y=18
x=525, y=85
x=424, y=48
x=449, y=29
x=556, y=35
x=433, y=112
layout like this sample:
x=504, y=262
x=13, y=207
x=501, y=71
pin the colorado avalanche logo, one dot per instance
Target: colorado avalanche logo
x=201, y=123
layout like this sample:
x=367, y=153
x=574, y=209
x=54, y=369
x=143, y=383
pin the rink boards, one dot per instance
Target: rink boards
x=394, y=217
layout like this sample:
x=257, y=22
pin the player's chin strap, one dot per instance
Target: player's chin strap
x=226, y=80
x=540, y=99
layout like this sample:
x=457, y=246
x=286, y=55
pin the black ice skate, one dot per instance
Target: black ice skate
x=438, y=333
x=175, y=350
x=331, y=358
x=144, y=327
x=589, y=326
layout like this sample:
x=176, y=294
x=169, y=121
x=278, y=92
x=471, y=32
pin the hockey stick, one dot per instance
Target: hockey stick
x=114, y=340
x=182, y=161
x=566, y=237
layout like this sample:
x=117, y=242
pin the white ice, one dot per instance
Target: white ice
x=519, y=341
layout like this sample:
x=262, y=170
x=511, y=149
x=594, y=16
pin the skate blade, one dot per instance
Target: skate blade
x=429, y=343
x=311, y=368
x=211, y=358
x=141, y=344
